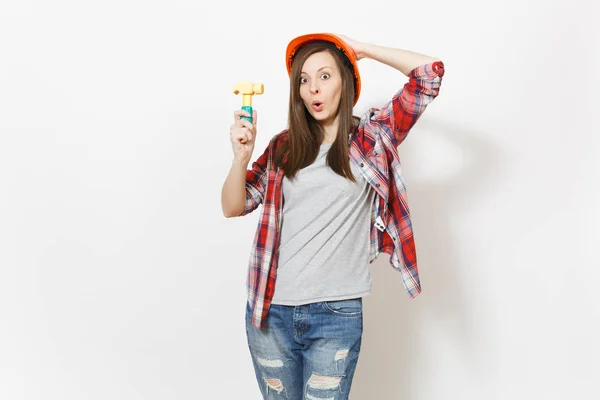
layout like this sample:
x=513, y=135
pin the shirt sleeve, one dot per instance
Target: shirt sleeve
x=407, y=105
x=256, y=182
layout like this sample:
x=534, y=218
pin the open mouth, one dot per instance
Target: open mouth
x=317, y=106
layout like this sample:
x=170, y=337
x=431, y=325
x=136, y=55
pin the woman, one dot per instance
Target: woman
x=333, y=200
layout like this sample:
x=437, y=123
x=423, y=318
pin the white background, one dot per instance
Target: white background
x=121, y=279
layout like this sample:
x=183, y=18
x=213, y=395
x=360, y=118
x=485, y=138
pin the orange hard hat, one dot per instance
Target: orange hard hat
x=300, y=41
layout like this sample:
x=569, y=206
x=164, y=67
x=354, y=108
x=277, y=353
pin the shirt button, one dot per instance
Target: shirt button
x=377, y=184
x=362, y=165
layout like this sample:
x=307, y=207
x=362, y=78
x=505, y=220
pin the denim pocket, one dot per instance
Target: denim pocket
x=349, y=308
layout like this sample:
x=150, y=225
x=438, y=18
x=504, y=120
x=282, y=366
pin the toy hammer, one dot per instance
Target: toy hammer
x=248, y=89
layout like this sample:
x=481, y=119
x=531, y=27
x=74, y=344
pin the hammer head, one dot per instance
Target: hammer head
x=248, y=88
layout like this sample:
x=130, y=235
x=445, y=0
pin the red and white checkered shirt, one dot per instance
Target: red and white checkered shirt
x=374, y=150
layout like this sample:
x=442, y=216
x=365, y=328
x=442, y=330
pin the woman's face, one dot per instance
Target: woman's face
x=321, y=86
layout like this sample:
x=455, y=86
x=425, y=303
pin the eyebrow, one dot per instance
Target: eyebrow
x=327, y=66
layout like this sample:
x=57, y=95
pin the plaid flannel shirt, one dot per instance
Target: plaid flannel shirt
x=374, y=150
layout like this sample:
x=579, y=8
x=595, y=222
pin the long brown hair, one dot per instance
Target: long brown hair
x=305, y=134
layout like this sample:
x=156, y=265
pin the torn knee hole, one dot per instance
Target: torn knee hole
x=274, y=384
x=269, y=363
x=311, y=397
x=322, y=382
x=341, y=354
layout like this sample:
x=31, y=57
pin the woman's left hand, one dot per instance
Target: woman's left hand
x=356, y=45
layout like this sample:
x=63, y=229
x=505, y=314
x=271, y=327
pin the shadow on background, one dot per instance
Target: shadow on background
x=393, y=332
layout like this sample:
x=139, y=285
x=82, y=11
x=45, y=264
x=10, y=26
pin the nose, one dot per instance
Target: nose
x=314, y=89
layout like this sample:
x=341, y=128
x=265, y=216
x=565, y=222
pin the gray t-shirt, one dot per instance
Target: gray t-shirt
x=325, y=234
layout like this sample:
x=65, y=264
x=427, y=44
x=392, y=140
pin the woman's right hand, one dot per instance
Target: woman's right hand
x=243, y=134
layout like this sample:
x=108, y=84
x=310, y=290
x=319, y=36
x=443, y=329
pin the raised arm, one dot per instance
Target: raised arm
x=402, y=60
x=425, y=77
x=243, y=188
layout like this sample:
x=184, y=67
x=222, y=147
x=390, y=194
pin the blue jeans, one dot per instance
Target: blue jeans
x=308, y=351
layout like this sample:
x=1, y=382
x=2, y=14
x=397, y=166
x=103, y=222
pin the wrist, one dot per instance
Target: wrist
x=364, y=50
x=240, y=162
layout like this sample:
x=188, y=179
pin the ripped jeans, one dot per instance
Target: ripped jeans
x=308, y=351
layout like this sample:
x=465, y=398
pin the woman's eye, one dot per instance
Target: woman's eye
x=303, y=80
x=325, y=76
